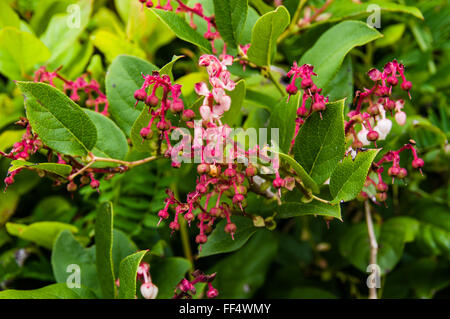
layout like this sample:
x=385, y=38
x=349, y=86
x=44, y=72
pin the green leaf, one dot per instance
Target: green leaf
x=232, y=116
x=8, y=17
x=301, y=172
x=265, y=34
x=349, y=176
x=128, y=273
x=139, y=144
x=41, y=233
x=123, y=246
x=167, y=69
x=341, y=86
x=8, y=138
x=20, y=51
x=68, y=251
x=320, y=143
x=62, y=31
x=282, y=117
x=60, y=123
x=123, y=78
x=183, y=31
x=329, y=51
x=292, y=206
x=230, y=18
x=243, y=272
x=112, y=45
x=55, y=291
x=167, y=273
x=392, y=34
x=391, y=238
x=220, y=242
x=104, y=246
x=347, y=9
x=62, y=170
x=111, y=141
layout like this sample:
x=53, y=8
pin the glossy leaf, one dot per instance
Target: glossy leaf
x=231, y=117
x=104, y=247
x=41, y=233
x=230, y=18
x=265, y=34
x=167, y=273
x=122, y=80
x=60, y=123
x=220, y=242
x=320, y=143
x=329, y=51
x=62, y=170
x=349, y=176
x=55, y=291
x=20, y=51
x=180, y=27
x=127, y=275
x=111, y=141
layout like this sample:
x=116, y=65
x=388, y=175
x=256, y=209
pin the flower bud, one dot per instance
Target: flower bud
x=302, y=111
x=230, y=228
x=372, y=136
x=382, y=187
x=72, y=187
x=189, y=216
x=362, y=196
x=201, y=188
x=278, y=182
x=164, y=214
x=230, y=172
x=374, y=74
x=163, y=125
x=238, y=198
x=146, y=132
x=152, y=100
x=201, y=239
x=406, y=85
x=149, y=290
x=418, y=163
x=318, y=106
x=241, y=189
x=140, y=95
x=373, y=110
x=392, y=80
x=251, y=171
x=402, y=173
x=212, y=293
x=216, y=212
x=95, y=184
x=306, y=83
x=188, y=115
x=174, y=225
x=203, y=168
x=393, y=171
x=176, y=106
x=381, y=197
x=291, y=89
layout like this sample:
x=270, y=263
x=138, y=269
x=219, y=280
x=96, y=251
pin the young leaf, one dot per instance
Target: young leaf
x=111, y=141
x=69, y=258
x=123, y=78
x=220, y=242
x=265, y=34
x=40, y=233
x=320, y=143
x=60, y=123
x=282, y=117
x=53, y=168
x=127, y=274
x=54, y=291
x=349, y=176
x=329, y=51
x=230, y=18
x=104, y=246
x=180, y=27
x=167, y=69
x=20, y=51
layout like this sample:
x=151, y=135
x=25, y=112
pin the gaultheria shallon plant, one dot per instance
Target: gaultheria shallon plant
x=225, y=172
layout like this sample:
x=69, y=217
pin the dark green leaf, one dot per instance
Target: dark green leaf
x=55, y=291
x=127, y=275
x=53, y=168
x=230, y=18
x=60, y=123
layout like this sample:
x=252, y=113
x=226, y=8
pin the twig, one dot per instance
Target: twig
x=373, y=245
x=293, y=23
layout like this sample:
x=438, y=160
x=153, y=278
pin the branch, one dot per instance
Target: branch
x=373, y=244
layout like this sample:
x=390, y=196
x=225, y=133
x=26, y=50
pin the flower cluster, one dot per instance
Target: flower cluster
x=395, y=171
x=94, y=96
x=310, y=91
x=379, y=101
x=211, y=33
x=186, y=288
x=148, y=289
x=22, y=150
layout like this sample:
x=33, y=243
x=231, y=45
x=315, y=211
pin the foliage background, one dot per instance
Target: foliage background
x=302, y=258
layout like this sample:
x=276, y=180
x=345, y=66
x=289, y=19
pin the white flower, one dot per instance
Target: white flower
x=383, y=128
x=149, y=290
x=362, y=136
